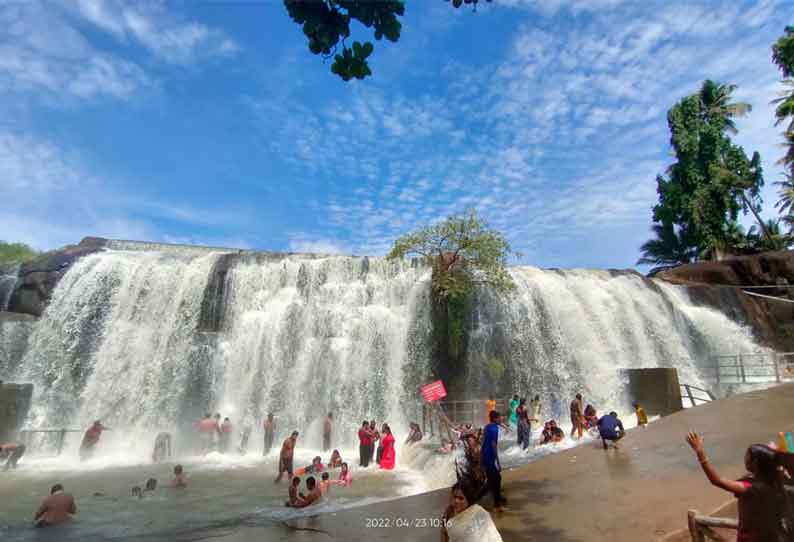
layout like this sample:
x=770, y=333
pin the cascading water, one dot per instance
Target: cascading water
x=150, y=339
x=9, y=275
x=567, y=331
x=304, y=336
x=116, y=341
x=122, y=340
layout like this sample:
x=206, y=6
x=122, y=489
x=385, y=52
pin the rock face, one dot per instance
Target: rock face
x=760, y=269
x=723, y=284
x=37, y=279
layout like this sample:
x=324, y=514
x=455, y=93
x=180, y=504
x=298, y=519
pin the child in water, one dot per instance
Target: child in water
x=179, y=478
x=294, y=499
x=325, y=483
x=642, y=418
x=345, y=478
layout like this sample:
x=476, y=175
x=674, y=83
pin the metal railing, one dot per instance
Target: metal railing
x=688, y=394
x=701, y=527
x=751, y=368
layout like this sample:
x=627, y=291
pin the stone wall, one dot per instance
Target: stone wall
x=657, y=390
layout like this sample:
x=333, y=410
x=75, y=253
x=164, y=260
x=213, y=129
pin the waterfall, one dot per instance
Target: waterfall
x=9, y=275
x=561, y=332
x=149, y=338
x=127, y=338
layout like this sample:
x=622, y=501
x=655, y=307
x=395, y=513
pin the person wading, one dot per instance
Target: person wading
x=364, y=443
x=286, y=455
x=523, y=426
x=270, y=427
x=13, y=451
x=327, y=427
x=577, y=416
x=91, y=439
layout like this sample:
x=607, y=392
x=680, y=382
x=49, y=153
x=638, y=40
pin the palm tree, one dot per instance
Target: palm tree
x=785, y=203
x=775, y=241
x=670, y=247
x=717, y=106
x=785, y=106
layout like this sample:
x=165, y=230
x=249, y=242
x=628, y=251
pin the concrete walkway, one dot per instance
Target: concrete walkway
x=640, y=492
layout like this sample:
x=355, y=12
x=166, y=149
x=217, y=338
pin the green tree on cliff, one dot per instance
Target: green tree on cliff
x=464, y=254
x=712, y=180
x=326, y=24
x=16, y=252
x=783, y=56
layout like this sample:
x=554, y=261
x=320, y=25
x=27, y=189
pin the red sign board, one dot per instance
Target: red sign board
x=434, y=391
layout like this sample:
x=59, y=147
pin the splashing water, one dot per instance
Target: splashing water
x=567, y=331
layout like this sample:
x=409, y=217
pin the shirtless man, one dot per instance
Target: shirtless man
x=577, y=416
x=314, y=494
x=270, y=426
x=13, y=451
x=285, y=458
x=56, y=508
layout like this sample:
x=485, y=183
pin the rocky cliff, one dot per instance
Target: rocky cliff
x=725, y=285
x=37, y=279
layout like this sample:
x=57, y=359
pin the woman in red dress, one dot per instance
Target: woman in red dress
x=389, y=455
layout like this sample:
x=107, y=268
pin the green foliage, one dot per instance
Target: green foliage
x=669, y=247
x=783, y=56
x=463, y=251
x=772, y=239
x=783, y=52
x=711, y=181
x=16, y=252
x=495, y=368
x=326, y=23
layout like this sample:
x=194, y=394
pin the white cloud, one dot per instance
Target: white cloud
x=49, y=197
x=560, y=138
x=42, y=54
x=162, y=32
x=45, y=54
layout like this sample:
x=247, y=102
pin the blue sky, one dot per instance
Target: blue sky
x=211, y=123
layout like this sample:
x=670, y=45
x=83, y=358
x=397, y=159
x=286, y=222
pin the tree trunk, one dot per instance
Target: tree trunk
x=757, y=218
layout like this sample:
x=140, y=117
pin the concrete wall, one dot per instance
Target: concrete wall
x=14, y=404
x=657, y=390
